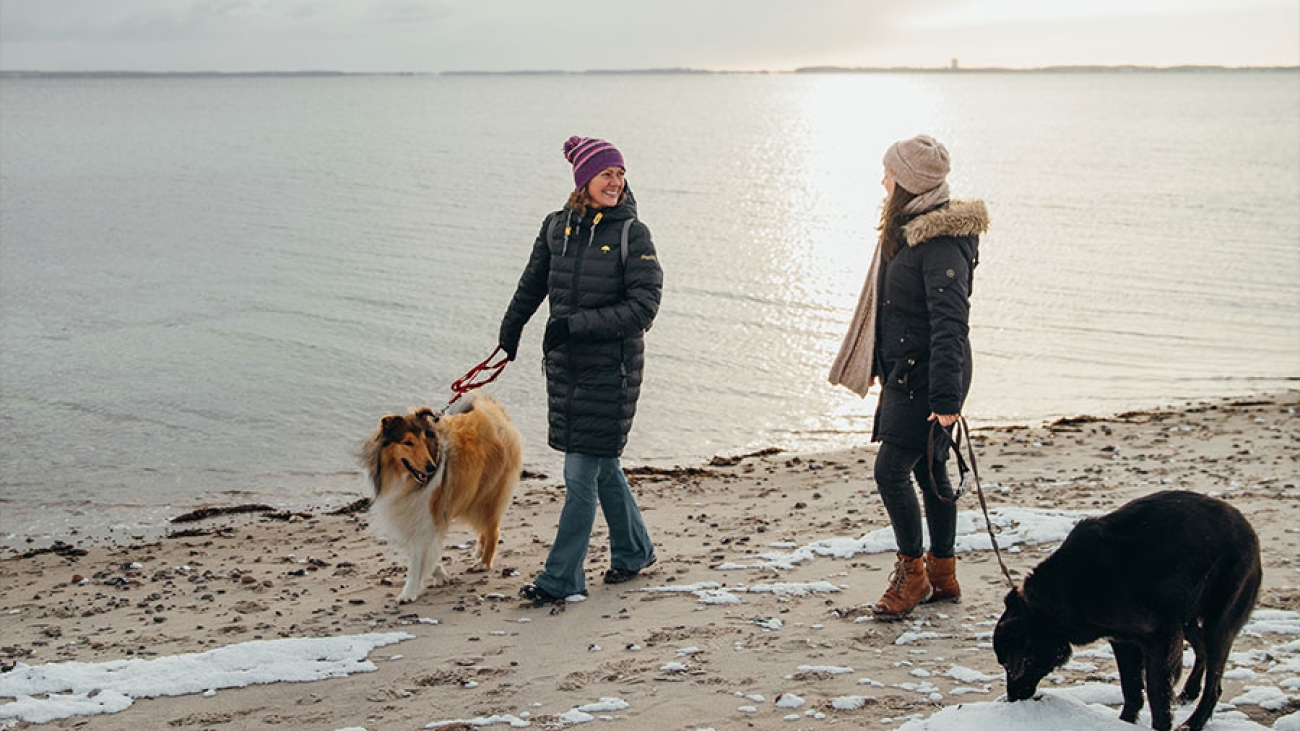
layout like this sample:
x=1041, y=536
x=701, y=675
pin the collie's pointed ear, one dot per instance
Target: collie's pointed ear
x=427, y=414
x=392, y=427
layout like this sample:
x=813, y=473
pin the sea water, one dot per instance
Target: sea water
x=212, y=288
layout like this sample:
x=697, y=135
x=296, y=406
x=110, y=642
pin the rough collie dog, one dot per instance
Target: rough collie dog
x=428, y=471
x=1168, y=567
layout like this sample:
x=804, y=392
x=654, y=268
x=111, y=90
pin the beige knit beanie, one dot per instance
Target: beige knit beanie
x=919, y=164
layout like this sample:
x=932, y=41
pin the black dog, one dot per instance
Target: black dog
x=1170, y=566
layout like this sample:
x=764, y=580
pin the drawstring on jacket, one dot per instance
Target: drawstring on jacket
x=568, y=229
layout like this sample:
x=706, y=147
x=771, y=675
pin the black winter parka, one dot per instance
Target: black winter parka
x=592, y=381
x=923, y=354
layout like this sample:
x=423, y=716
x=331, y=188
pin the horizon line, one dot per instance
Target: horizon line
x=819, y=69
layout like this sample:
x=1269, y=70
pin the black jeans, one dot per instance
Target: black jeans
x=895, y=467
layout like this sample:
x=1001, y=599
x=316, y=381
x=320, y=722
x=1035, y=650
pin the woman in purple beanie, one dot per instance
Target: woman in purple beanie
x=910, y=335
x=595, y=263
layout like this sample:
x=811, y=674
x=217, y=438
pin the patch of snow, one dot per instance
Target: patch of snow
x=61, y=690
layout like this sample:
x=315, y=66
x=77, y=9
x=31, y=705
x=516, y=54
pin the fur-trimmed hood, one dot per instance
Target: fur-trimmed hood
x=958, y=218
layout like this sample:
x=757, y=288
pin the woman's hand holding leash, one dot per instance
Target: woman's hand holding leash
x=509, y=348
x=945, y=420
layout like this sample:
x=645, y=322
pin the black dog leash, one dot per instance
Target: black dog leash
x=966, y=473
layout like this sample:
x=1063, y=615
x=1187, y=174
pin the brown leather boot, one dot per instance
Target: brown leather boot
x=908, y=586
x=942, y=573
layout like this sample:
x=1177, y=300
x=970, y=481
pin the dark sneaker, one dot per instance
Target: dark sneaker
x=537, y=595
x=618, y=576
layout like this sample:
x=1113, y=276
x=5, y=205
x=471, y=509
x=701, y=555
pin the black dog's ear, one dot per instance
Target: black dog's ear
x=1015, y=601
x=393, y=428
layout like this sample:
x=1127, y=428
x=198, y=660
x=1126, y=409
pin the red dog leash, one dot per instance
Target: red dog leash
x=475, y=378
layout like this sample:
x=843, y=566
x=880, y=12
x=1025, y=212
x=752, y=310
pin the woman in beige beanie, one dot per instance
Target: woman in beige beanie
x=909, y=334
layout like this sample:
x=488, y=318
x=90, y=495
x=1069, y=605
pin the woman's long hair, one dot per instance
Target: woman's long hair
x=580, y=201
x=891, y=221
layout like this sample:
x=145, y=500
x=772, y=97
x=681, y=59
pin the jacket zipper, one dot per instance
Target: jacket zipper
x=568, y=351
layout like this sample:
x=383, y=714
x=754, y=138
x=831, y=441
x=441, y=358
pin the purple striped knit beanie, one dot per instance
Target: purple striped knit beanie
x=589, y=156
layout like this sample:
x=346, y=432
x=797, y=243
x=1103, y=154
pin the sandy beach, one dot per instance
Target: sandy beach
x=767, y=567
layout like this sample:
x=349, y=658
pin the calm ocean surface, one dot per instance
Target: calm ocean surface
x=211, y=289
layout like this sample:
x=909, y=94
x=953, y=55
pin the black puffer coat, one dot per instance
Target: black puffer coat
x=594, y=380
x=923, y=354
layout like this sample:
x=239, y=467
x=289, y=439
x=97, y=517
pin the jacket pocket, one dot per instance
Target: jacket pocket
x=907, y=374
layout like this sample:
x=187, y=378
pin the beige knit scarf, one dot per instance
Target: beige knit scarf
x=853, y=365
x=928, y=200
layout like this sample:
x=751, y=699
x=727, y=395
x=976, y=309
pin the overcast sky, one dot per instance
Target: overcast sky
x=505, y=35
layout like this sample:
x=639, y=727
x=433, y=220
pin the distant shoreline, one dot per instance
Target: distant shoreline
x=1085, y=69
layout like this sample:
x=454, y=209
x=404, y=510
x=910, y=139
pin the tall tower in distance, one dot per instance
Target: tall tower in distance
x=954, y=65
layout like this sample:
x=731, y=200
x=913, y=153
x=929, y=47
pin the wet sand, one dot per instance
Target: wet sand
x=678, y=662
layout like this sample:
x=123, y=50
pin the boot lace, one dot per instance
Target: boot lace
x=897, y=577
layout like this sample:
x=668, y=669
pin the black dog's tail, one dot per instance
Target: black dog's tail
x=1237, y=586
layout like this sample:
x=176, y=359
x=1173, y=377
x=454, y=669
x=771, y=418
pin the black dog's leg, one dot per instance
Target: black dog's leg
x=1219, y=629
x=1129, y=659
x=1218, y=642
x=1192, y=688
x=1163, y=658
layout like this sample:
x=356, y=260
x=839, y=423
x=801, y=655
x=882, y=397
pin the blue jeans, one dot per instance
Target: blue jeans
x=588, y=480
